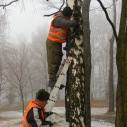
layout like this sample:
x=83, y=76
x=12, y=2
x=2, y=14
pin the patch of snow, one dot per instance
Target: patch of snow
x=59, y=110
x=10, y=123
x=101, y=124
x=94, y=111
x=11, y=114
x=16, y=117
x=98, y=111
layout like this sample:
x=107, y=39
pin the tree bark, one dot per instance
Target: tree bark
x=77, y=100
x=111, y=82
x=87, y=59
x=121, y=57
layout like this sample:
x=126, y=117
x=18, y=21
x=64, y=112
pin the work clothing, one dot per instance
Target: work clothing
x=54, y=57
x=42, y=95
x=35, y=116
x=57, y=36
x=67, y=11
x=61, y=22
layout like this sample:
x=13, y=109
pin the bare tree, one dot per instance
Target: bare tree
x=39, y=55
x=111, y=82
x=121, y=58
x=3, y=45
x=100, y=34
x=17, y=61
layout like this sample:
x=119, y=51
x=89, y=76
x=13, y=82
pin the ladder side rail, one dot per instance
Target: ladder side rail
x=62, y=75
x=60, y=68
x=54, y=94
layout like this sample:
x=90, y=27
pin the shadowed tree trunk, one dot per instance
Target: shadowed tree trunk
x=0, y=77
x=111, y=82
x=87, y=59
x=78, y=78
x=121, y=59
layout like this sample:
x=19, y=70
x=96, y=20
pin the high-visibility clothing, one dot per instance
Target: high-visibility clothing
x=31, y=105
x=57, y=34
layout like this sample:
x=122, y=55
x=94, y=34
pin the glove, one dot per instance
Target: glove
x=51, y=123
x=55, y=113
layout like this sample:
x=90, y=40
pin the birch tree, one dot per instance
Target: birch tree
x=78, y=88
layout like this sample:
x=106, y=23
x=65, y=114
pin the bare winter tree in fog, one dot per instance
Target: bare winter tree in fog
x=100, y=32
x=38, y=50
x=18, y=60
x=111, y=63
x=121, y=59
x=3, y=45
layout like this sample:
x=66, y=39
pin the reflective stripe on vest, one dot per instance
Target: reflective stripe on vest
x=31, y=105
x=62, y=31
x=25, y=124
x=57, y=34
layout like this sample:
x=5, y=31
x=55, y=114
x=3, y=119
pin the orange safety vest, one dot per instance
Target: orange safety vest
x=57, y=34
x=32, y=104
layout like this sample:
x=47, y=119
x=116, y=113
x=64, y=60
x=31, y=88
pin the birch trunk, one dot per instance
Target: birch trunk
x=77, y=99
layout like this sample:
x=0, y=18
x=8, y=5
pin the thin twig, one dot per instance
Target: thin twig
x=57, y=11
x=5, y=5
x=107, y=16
x=99, y=8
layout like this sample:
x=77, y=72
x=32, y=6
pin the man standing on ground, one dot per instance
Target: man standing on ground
x=35, y=114
x=57, y=35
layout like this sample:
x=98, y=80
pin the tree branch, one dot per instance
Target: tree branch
x=57, y=11
x=5, y=5
x=107, y=16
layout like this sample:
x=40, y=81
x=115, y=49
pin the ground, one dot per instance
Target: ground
x=108, y=117
x=98, y=106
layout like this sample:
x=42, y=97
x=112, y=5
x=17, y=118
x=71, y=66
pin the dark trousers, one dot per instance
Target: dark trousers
x=54, y=57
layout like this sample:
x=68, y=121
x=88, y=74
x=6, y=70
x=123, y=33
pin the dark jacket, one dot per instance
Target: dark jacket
x=64, y=23
x=35, y=116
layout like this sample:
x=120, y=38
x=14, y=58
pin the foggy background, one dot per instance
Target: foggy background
x=23, y=64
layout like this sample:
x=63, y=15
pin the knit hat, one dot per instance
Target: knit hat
x=42, y=95
x=67, y=11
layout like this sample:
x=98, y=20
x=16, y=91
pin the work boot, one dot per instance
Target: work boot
x=52, y=83
x=62, y=86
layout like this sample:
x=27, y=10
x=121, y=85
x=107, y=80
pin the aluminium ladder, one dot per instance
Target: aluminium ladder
x=54, y=93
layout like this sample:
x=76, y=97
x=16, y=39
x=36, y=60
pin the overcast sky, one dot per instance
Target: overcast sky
x=24, y=21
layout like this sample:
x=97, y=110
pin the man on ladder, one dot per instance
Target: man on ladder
x=57, y=35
